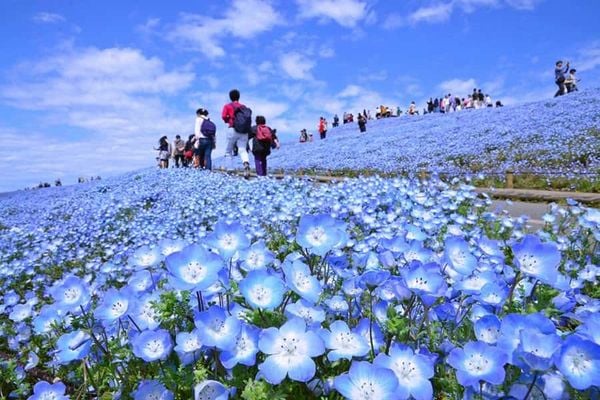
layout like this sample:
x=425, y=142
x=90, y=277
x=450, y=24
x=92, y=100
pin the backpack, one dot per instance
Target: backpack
x=242, y=119
x=264, y=134
x=208, y=129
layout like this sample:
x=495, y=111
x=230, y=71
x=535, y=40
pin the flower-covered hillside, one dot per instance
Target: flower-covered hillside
x=555, y=136
x=179, y=284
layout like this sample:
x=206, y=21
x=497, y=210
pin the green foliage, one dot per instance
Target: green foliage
x=260, y=390
x=173, y=311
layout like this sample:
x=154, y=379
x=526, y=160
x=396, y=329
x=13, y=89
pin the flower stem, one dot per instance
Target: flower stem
x=535, y=376
x=371, y=326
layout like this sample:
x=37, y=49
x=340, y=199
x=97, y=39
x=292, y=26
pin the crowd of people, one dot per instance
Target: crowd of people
x=243, y=138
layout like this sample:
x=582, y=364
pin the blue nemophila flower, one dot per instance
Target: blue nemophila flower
x=537, y=259
x=152, y=390
x=20, y=312
x=459, y=256
x=188, y=346
x=289, y=350
x=210, y=390
x=245, y=349
x=365, y=381
x=32, y=361
x=337, y=304
x=218, y=328
x=579, y=361
x=47, y=391
x=114, y=305
x=342, y=342
x=152, y=345
x=476, y=362
x=70, y=293
x=425, y=280
x=193, y=268
x=262, y=290
x=312, y=315
x=257, y=256
x=320, y=233
x=487, y=329
x=535, y=350
x=300, y=280
x=48, y=315
x=170, y=246
x=141, y=281
x=72, y=346
x=143, y=312
x=11, y=298
x=512, y=325
x=228, y=238
x=412, y=370
x=145, y=257
x=372, y=279
x=493, y=293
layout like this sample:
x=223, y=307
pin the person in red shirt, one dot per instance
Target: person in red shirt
x=233, y=137
x=322, y=127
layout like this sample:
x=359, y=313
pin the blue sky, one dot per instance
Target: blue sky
x=87, y=88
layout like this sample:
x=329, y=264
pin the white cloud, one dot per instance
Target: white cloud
x=588, y=57
x=48, y=18
x=243, y=19
x=458, y=87
x=113, y=101
x=442, y=11
x=346, y=13
x=108, y=78
x=297, y=66
x=523, y=4
x=435, y=13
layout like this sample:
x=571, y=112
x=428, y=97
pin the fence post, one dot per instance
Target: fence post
x=510, y=179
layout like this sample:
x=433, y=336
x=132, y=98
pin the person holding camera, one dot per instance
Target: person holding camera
x=559, y=77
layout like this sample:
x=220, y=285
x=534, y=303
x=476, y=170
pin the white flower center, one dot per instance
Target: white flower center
x=193, y=272
x=477, y=364
x=316, y=236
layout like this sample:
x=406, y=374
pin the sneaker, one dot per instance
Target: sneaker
x=246, y=170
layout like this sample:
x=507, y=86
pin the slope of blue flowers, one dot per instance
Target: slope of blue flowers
x=178, y=284
x=556, y=136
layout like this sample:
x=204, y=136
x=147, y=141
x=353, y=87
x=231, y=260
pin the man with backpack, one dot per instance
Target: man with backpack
x=205, y=134
x=238, y=117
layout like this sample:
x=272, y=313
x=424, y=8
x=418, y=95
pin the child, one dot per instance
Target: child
x=571, y=81
x=262, y=140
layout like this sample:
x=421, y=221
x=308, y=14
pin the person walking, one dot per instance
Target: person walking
x=559, y=77
x=238, y=117
x=362, y=123
x=263, y=139
x=336, y=121
x=322, y=127
x=164, y=152
x=205, y=132
x=178, y=148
